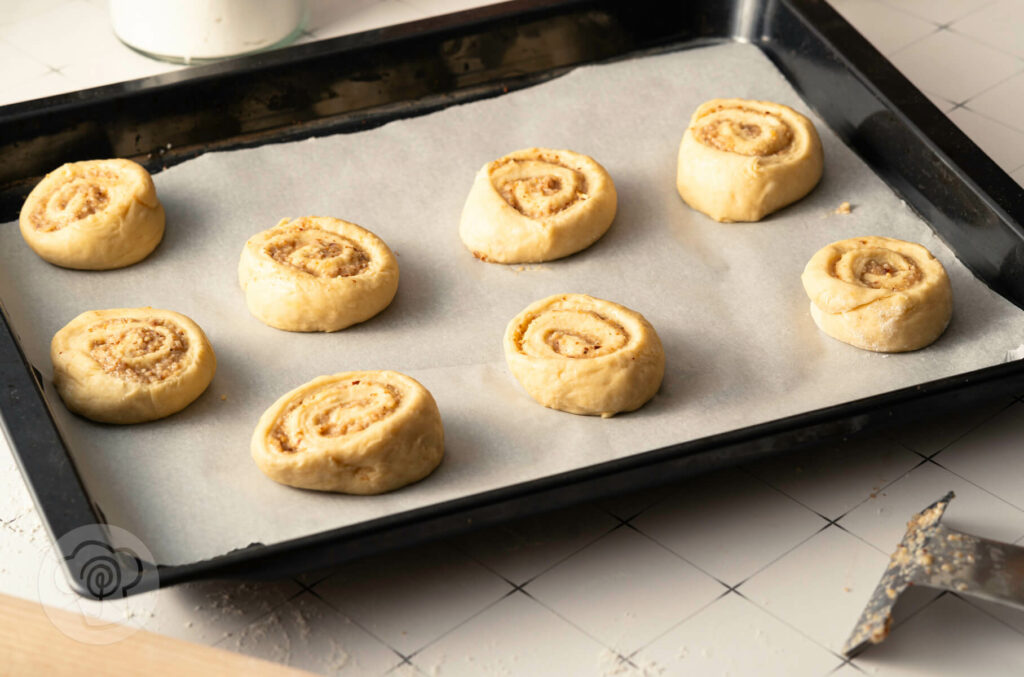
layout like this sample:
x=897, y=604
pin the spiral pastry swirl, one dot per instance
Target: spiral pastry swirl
x=128, y=365
x=740, y=160
x=358, y=432
x=584, y=355
x=879, y=294
x=93, y=215
x=317, y=274
x=537, y=205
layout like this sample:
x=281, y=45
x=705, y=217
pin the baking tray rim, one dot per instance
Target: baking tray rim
x=233, y=562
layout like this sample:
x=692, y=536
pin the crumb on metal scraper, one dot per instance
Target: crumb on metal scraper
x=911, y=554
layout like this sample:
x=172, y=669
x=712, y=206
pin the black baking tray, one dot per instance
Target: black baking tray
x=360, y=81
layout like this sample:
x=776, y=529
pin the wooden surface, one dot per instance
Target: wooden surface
x=32, y=644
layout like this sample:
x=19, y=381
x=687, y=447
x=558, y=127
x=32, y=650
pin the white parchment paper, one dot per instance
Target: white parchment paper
x=726, y=300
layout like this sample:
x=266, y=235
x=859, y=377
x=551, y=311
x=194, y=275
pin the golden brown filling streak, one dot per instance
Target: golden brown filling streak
x=73, y=201
x=745, y=131
x=317, y=252
x=575, y=334
x=143, y=351
x=877, y=268
x=538, y=187
x=333, y=411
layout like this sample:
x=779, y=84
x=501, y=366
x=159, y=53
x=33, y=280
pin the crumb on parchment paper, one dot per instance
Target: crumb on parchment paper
x=844, y=208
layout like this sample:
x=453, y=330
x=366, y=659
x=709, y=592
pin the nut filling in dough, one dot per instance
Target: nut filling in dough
x=879, y=294
x=317, y=274
x=741, y=160
x=94, y=215
x=360, y=432
x=536, y=205
x=584, y=355
x=129, y=365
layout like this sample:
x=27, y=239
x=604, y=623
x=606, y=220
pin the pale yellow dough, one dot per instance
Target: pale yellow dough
x=741, y=160
x=128, y=365
x=317, y=274
x=879, y=294
x=94, y=215
x=537, y=204
x=357, y=432
x=584, y=355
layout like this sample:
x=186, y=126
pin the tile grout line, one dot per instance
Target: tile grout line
x=735, y=588
x=844, y=660
x=571, y=623
x=796, y=500
x=833, y=522
x=725, y=593
x=359, y=625
x=963, y=104
x=864, y=540
x=966, y=106
x=676, y=488
x=905, y=475
x=904, y=12
x=902, y=623
x=394, y=669
x=978, y=486
x=862, y=29
x=540, y=573
x=965, y=433
x=321, y=579
x=1009, y=77
x=912, y=450
x=978, y=41
x=794, y=628
x=458, y=625
x=627, y=525
x=871, y=496
x=891, y=5
x=888, y=57
x=848, y=662
x=786, y=553
x=940, y=28
x=678, y=556
x=623, y=524
x=967, y=599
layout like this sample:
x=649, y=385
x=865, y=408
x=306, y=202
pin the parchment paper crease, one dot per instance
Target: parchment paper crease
x=725, y=299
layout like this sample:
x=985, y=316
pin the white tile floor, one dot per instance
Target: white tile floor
x=757, y=570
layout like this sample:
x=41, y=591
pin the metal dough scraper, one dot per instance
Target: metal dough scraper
x=935, y=556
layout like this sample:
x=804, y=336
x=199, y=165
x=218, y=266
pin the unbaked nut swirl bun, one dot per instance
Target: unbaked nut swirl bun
x=741, y=160
x=584, y=355
x=128, y=365
x=93, y=215
x=537, y=205
x=879, y=294
x=317, y=274
x=357, y=432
